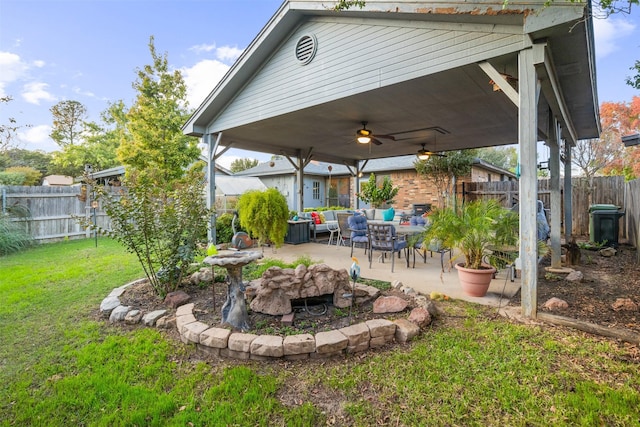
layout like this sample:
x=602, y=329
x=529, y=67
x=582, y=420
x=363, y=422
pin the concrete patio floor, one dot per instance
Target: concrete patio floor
x=424, y=278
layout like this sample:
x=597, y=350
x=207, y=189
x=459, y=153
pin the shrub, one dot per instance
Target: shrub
x=224, y=230
x=264, y=214
x=160, y=224
x=13, y=236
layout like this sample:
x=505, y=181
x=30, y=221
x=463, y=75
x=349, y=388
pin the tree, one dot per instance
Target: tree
x=378, y=195
x=155, y=121
x=239, y=165
x=68, y=122
x=635, y=80
x=443, y=171
x=502, y=157
x=619, y=119
x=8, y=131
x=39, y=160
x=31, y=175
x=98, y=147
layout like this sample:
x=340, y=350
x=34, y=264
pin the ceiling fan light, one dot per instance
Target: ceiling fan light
x=423, y=155
x=363, y=139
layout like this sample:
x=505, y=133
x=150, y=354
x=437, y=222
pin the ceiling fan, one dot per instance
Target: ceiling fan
x=424, y=154
x=365, y=136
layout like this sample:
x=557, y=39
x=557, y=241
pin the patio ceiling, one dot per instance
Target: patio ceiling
x=460, y=102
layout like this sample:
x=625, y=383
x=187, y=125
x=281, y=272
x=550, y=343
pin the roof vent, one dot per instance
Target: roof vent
x=306, y=48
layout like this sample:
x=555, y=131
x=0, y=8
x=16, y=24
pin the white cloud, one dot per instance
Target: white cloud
x=610, y=34
x=39, y=63
x=37, y=138
x=13, y=68
x=203, y=48
x=202, y=78
x=87, y=93
x=228, y=53
x=35, y=92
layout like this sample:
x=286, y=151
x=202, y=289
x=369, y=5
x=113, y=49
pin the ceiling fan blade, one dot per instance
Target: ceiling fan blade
x=375, y=141
x=386, y=137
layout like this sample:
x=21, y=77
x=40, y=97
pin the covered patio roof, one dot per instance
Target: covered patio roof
x=449, y=75
x=391, y=80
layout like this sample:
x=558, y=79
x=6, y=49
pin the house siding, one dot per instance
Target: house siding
x=371, y=53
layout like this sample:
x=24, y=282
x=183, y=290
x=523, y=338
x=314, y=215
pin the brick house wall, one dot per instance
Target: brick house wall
x=415, y=189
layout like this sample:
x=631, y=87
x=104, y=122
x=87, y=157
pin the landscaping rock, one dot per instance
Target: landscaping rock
x=215, y=337
x=390, y=304
x=420, y=316
x=133, y=317
x=608, y=252
x=191, y=332
x=555, y=304
x=150, y=319
x=166, y=322
x=203, y=275
x=381, y=327
x=268, y=346
x=405, y=330
x=358, y=336
x=625, y=304
x=330, y=342
x=241, y=342
x=396, y=284
x=176, y=299
x=575, y=277
x=107, y=305
x=118, y=314
x=299, y=344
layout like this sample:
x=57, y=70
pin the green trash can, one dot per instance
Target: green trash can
x=604, y=224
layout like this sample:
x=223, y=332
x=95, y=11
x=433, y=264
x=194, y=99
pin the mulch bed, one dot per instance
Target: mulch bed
x=605, y=280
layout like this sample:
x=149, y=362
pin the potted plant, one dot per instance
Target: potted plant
x=474, y=229
x=376, y=195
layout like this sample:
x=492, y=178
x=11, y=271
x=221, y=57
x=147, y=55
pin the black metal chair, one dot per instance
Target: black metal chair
x=382, y=237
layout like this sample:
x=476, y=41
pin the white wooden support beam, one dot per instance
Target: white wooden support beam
x=553, y=92
x=529, y=89
x=211, y=193
x=300, y=179
x=554, y=172
x=568, y=209
x=224, y=150
x=502, y=83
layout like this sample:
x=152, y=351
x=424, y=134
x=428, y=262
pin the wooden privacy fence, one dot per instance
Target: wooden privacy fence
x=50, y=211
x=606, y=190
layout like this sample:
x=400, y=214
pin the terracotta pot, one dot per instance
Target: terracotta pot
x=475, y=283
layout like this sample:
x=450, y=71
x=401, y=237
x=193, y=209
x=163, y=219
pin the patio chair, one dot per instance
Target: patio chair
x=344, y=234
x=383, y=238
x=358, y=232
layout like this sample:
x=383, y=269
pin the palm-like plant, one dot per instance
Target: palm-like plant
x=474, y=229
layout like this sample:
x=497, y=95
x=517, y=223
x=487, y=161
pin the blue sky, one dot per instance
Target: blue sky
x=89, y=50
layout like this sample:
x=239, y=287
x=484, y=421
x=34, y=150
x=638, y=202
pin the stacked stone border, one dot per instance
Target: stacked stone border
x=223, y=342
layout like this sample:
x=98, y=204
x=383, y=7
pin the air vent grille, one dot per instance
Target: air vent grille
x=306, y=49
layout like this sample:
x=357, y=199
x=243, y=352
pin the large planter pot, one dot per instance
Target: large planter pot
x=475, y=283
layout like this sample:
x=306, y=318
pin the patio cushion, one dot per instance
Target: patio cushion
x=358, y=226
x=417, y=220
x=388, y=214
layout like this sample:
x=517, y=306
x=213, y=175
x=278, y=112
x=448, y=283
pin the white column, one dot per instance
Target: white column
x=554, y=171
x=529, y=89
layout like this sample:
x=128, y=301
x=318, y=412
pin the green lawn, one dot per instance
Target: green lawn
x=60, y=366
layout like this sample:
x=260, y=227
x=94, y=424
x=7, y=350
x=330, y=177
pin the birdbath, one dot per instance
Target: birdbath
x=234, y=310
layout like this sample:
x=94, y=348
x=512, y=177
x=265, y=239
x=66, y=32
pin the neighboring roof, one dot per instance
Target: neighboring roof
x=457, y=99
x=284, y=167
x=119, y=171
x=58, y=180
x=236, y=185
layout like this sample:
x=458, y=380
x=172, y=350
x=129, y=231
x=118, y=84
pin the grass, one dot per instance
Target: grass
x=61, y=366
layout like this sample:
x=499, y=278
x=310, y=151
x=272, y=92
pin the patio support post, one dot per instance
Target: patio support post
x=300, y=179
x=211, y=193
x=568, y=225
x=529, y=90
x=554, y=170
